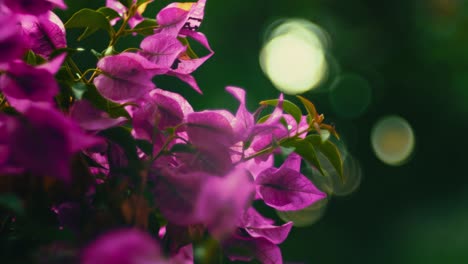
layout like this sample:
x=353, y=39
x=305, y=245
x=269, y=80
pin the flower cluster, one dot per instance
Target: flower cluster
x=132, y=171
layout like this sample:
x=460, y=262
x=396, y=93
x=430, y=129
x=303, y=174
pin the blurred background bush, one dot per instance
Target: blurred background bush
x=403, y=59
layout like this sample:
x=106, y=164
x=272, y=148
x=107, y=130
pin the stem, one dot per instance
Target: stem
x=69, y=71
x=96, y=71
x=82, y=77
x=129, y=31
x=261, y=152
x=129, y=14
x=131, y=49
x=2, y=101
x=74, y=66
x=163, y=148
x=273, y=147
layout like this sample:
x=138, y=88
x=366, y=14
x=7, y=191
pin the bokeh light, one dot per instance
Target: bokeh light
x=307, y=216
x=332, y=183
x=350, y=95
x=294, y=56
x=393, y=140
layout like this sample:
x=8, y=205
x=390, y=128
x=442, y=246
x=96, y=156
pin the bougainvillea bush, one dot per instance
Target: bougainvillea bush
x=101, y=165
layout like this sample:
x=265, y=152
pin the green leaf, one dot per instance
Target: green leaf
x=30, y=58
x=91, y=20
x=11, y=202
x=78, y=89
x=33, y=59
x=288, y=107
x=189, y=50
x=142, y=2
x=126, y=3
x=263, y=119
x=109, y=13
x=186, y=148
x=113, y=109
x=324, y=135
x=146, y=27
x=306, y=150
x=329, y=150
x=284, y=122
x=97, y=54
x=310, y=107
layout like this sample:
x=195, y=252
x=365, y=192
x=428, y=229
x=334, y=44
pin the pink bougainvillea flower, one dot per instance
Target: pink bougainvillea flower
x=145, y=119
x=286, y=189
x=183, y=256
x=126, y=77
x=33, y=7
x=156, y=112
x=222, y=201
x=275, y=129
x=90, y=118
x=173, y=107
x=44, y=141
x=211, y=159
x=211, y=133
x=159, y=110
x=44, y=33
x=256, y=167
x=121, y=9
x=271, y=129
x=8, y=126
x=178, y=16
x=23, y=84
x=177, y=193
x=126, y=246
x=210, y=129
x=244, y=121
x=258, y=135
x=117, y=6
x=162, y=49
x=12, y=45
x=184, y=66
x=243, y=248
x=258, y=226
x=244, y=125
x=183, y=20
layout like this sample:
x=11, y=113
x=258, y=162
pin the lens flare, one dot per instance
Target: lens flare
x=393, y=140
x=294, y=58
x=306, y=216
x=332, y=183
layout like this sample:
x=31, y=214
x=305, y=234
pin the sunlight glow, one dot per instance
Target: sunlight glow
x=294, y=56
x=393, y=140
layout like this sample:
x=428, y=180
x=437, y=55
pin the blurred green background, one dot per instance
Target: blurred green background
x=414, y=56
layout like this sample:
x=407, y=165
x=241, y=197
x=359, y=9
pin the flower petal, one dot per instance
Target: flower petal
x=126, y=77
x=127, y=246
x=286, y=189
x=23, y=81
x=162, y=49
x=92, y=119
x=44, y=33
x=222, y=201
